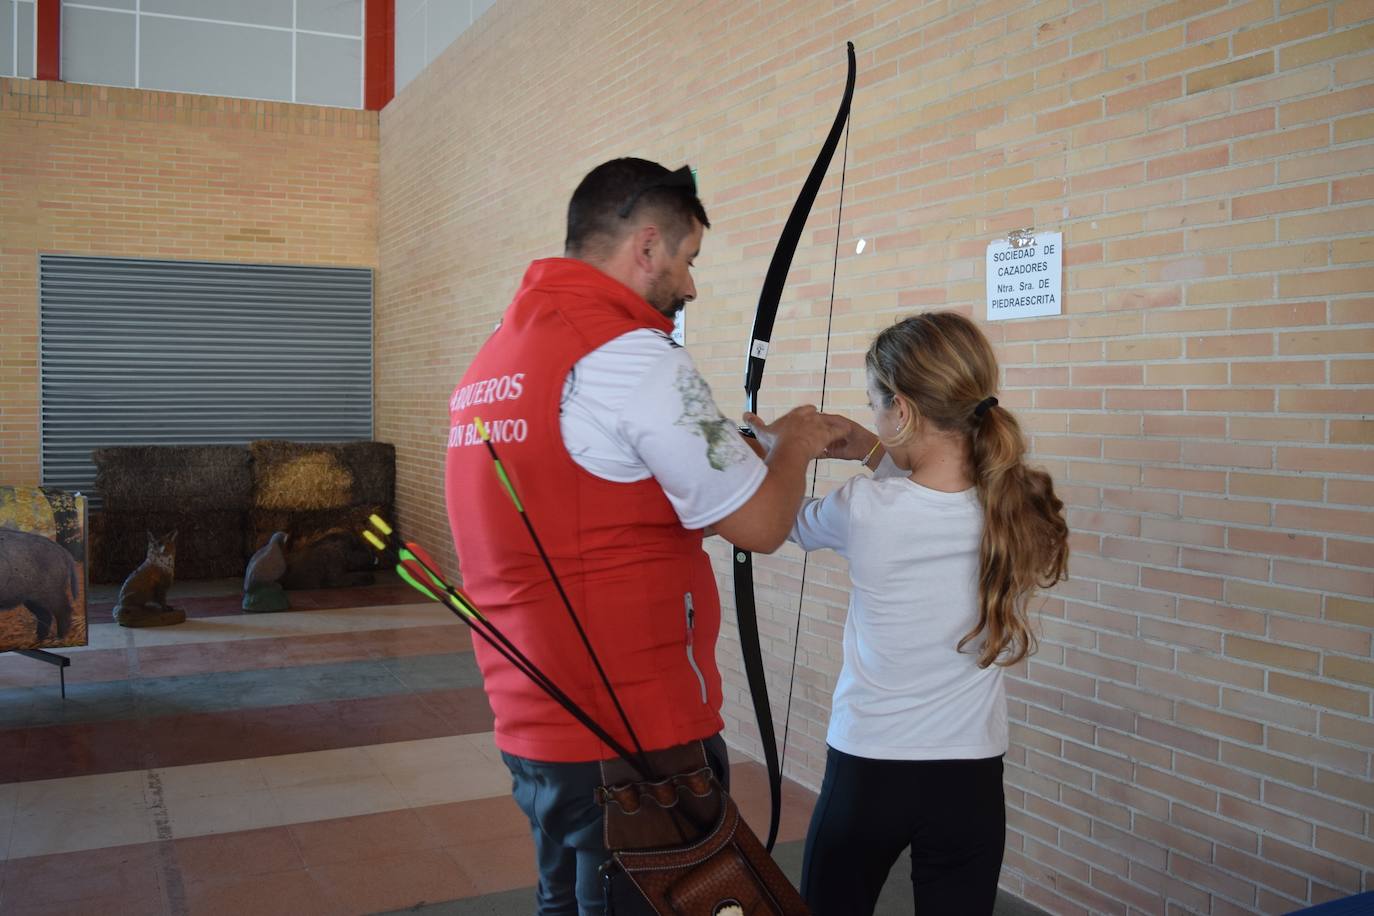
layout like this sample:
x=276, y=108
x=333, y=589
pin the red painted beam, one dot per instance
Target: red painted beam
x=379, y=54
x=49, y=25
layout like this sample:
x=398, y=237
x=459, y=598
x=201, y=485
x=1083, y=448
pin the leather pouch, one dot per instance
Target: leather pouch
x=682, y=847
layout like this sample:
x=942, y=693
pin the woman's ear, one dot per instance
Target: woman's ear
x=906, y=416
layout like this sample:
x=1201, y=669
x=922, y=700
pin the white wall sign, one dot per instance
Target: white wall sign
x=1026, y=281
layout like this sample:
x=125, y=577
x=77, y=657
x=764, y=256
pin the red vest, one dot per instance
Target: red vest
x=640, y=583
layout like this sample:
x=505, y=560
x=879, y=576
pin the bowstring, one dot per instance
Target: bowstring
x=816, y=467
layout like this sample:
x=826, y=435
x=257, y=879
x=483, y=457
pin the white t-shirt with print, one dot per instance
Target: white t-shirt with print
x=905, y=692
x=637, y=407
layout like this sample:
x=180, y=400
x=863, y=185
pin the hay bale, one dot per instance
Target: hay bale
x=174, y=478
x=209, y=544
x=318, y=476
x=373, y=465
x=298, y=476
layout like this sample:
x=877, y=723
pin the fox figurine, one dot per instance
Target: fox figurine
x=143, y=596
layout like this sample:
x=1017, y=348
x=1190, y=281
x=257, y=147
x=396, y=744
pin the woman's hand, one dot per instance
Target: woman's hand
x=855, y=444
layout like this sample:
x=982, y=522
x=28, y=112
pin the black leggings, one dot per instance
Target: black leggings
x=952, y=813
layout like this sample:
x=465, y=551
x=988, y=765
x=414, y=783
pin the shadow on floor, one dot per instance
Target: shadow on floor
x=895, y=900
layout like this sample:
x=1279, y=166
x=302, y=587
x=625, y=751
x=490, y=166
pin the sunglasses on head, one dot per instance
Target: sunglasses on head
x=684, y=177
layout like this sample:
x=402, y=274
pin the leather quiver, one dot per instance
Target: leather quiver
x=683, y=845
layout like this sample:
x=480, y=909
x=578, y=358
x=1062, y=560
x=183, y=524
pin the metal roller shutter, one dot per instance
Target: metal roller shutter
x=143, y=352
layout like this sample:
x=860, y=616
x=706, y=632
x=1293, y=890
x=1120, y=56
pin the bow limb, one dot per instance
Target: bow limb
x=764, y=317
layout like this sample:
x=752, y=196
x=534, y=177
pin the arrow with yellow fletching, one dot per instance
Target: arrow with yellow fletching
x=417, y=569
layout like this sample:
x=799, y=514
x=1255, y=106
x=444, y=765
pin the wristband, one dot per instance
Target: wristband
x=871, y=451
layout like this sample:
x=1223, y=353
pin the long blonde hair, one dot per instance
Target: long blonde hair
x=944, y=369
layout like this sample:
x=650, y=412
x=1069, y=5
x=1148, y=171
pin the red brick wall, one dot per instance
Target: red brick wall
x=1195, y=732
x=92, y=170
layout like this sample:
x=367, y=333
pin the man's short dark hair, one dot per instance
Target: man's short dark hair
x=604, y=205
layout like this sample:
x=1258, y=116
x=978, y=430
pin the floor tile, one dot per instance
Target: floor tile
x=458, y=708
x=408, y=756
x=446, y=770
x=395, y=719
x=288, y=893
x=14, y=744
x=21, y=671
x=236, y=855
x=477, y=820
x=8, y=803
x=80, y=813
x=206, y=658
x=115, y=822
x=44, y=706
x=343, y=797
x=87, y=666
x=97, y=665
x=749, y=789
x=352, y=839
x=183, y=740
x=485, y=742
x=128, y=870
x=90, y=748
x=498, y=864
x=237, y=626
x=452, y=671
x=318, y=768
x=196, y=780
x=143, y=902
x=78, y=793
x=394, y=882
x=435, y=787
x=199, y=815
x=422, y=640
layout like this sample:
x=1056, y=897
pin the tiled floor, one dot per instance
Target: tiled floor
x=333, y=759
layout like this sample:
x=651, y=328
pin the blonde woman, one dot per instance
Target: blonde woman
x=946, y=543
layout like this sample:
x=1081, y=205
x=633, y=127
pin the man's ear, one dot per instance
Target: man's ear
x=647, y=242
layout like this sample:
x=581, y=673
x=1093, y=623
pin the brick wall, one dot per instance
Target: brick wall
x=92, y=170
x=1195, y=733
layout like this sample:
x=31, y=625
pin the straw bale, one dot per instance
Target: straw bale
x=373, y=465
x=313, y=476
x=209, y=544
x=300, y=476
x=174, y=478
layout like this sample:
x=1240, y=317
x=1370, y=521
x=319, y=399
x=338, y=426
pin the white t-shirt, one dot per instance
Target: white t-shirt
x=904, y=692
x=637, y=407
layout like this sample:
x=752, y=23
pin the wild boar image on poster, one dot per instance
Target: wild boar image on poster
x=42, y=568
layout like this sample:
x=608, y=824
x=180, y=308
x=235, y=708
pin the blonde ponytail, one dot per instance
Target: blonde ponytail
x=945, y=368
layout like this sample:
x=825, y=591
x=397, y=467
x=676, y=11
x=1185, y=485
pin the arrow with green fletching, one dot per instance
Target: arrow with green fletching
x=417, y=569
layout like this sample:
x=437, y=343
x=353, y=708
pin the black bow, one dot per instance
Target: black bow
x=764, y=317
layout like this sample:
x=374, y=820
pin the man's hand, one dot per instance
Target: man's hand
x=795, y=438
x=842, y=436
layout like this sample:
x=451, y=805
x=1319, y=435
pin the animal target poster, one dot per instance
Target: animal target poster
x=42, y=568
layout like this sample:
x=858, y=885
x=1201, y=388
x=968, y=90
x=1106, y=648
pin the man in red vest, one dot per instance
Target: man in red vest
x=623, y=462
